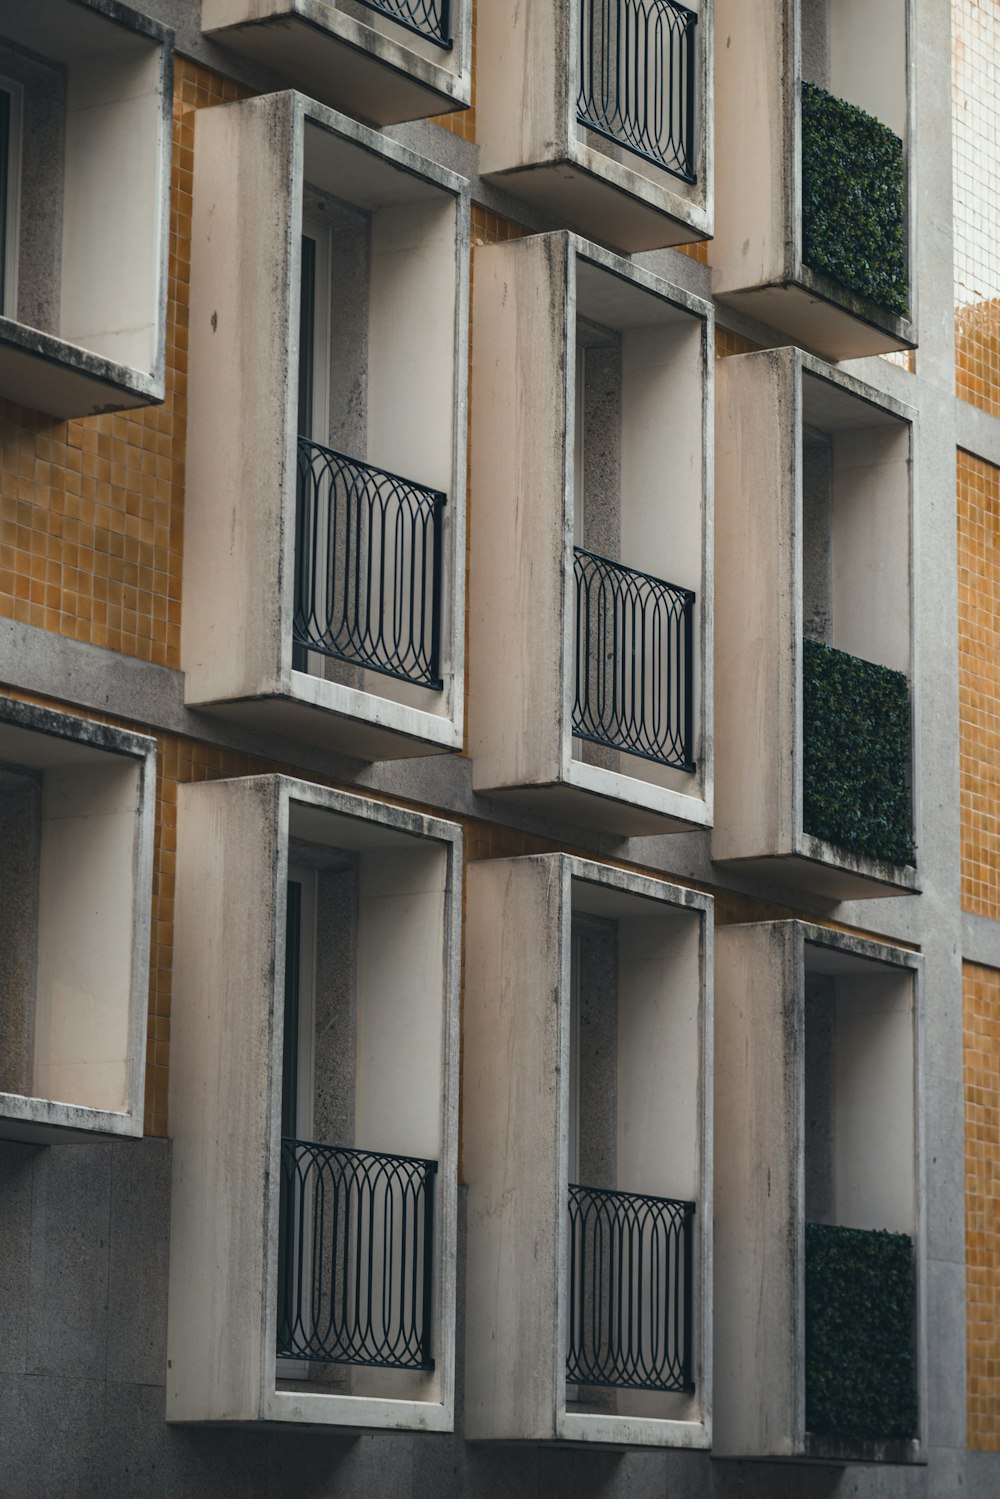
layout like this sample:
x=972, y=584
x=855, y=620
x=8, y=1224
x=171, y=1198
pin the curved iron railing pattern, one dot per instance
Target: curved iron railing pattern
x=637, y=78
x=356, y=1234
x=367, y=566
x=634, y=661
x=630, y=1291
x=430, y=19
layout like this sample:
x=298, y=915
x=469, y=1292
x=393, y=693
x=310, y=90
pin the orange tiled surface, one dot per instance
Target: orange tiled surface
x=979, y=681
x=981, y=1072
x=92, y=512
x=727, y=343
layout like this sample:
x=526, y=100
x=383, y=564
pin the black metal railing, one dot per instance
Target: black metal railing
x=630, y=1291
x=634, y=661
x=637, y=78
x=367, y=567
x=430, y=19
x=356, y=1233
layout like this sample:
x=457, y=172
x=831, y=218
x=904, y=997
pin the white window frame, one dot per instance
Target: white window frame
x=8, y=288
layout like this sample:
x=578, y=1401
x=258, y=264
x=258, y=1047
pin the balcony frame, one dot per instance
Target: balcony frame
x=516, y=1141
x=373, y=69
x=533, y=147
x=759, y=561
x=109, y=353
x=528, y=293
x=225, y=1101
x=757, y=251
x=41, y=740
x=239, y=555
x=760, y=1166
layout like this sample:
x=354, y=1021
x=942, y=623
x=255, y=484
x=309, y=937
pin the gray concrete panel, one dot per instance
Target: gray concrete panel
x=68, y=1289
x=16, y=1167
x=52, y=1433
x=137, y=1262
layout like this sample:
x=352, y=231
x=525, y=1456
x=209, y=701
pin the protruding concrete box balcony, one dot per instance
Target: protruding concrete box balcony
x=76, y=830
x=601, y=114
x=324, y=558
x=813, y=618
x=815, y=219
x=590, y=697
x=85, y=137
x=819, y=1221
x=383, y=61
x=314, y=1110
x=587, y=1154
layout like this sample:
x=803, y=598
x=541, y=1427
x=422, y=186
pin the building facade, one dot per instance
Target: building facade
x=499, y=933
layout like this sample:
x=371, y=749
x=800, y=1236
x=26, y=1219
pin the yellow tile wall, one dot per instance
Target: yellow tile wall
x=978, y=495
x=981, y=1073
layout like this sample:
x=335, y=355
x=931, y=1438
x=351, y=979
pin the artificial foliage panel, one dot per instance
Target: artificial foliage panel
x=856, y=754
x=861, y=1377
x=853, y=198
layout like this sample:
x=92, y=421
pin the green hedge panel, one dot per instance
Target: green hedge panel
x=861, y=1379
x=853, y=198
x=856, y=754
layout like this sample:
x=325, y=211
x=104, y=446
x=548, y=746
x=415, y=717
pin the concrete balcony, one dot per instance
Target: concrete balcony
x=587, y=1059
x=809, y=236
x=819, y=1154
x=315, y=999
x=601, y=115
x=382, y=61
x=344, y=305
x=814, y=608
x=590, y=695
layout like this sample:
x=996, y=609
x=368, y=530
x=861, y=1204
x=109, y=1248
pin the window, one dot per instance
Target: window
x=84, y=176
x=76, y=828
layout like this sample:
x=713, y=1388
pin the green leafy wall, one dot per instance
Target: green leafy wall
x=853, y=199
x=856, y=754
x=861, y=1379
